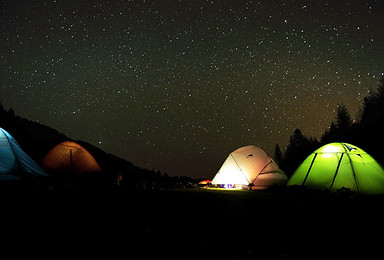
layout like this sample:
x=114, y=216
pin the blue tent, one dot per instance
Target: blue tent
x=14, y=162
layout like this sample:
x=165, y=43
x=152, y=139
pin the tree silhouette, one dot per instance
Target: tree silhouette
x=343, y=120
x=278, y=154
x=366, y=133
x=340, y=129
x=296, y=141
x=329, y=136
x=373, y=105
x=298, y=148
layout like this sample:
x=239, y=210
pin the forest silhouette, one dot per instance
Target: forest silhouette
x=365, y=132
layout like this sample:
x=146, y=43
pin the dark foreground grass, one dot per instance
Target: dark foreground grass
x=192, y=223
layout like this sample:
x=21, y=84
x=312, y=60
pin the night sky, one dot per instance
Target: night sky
x=178, y=85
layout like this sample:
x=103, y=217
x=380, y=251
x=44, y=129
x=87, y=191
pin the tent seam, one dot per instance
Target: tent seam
x=240, y=168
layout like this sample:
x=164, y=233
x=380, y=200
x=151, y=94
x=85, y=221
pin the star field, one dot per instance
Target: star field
x=178, y=85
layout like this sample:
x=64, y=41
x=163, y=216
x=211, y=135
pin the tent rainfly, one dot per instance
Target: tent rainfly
x=70, y=157
x=249, y=167
x=340, y=165
x=14, y=162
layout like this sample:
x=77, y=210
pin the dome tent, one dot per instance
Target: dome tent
x=14, y=162
x=249, y=166
x=340, y=165
x=70, y=157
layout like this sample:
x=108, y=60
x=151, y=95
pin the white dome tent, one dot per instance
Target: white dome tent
x=249, y=167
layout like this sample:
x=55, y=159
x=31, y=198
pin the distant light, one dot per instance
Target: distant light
x=228, y=186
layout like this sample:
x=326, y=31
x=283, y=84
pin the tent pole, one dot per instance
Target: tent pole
x=310, y=167
x=240, y=168
x=337, y=170
x=261, y=171
x=13, y=151
x=14, y=154
x=70, y=155
x=353, y=170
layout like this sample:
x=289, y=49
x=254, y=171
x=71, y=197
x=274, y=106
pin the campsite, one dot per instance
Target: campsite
x=212, y=129
x=124, y=210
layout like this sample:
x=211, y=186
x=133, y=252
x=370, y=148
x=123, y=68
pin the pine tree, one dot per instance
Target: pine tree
x=278, y=154
x=373, y=105
x=296, y=141
x=331, y=135
x=343, y=120
x=295, y=152
x=380, y=88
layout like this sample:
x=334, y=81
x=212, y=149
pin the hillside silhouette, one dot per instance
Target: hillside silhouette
x=37, y=140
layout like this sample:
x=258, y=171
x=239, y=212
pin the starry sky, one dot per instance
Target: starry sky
x=178, y=85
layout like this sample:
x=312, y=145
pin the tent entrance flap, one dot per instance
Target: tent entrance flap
x=241, y=170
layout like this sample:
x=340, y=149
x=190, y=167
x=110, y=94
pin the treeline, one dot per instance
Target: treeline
x=366, y=132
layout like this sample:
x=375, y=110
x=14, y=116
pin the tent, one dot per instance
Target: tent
x=251, y=167
x=205, y=182
x=340, y=165
x=70, y=157
x=14, y=162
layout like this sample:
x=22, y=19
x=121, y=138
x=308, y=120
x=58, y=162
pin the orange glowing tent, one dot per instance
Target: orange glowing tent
x=70, y=157
x=205, y=182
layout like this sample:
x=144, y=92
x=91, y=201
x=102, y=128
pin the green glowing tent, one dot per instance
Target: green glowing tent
x=340, y=165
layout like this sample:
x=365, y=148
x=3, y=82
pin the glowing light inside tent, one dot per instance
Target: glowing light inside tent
x=349, y=167
x=329, y=150
x=245, y=166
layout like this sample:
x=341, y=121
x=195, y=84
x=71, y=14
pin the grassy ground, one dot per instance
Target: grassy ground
x=198, y=223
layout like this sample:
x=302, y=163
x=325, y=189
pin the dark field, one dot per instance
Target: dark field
x=192, y=223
